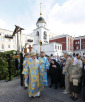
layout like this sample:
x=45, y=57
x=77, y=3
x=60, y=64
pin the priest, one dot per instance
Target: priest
x=34, y=84
x=44, y=65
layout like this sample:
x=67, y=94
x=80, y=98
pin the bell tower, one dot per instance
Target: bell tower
x=41, y=32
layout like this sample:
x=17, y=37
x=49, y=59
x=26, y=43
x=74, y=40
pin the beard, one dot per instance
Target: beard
x=42, y=56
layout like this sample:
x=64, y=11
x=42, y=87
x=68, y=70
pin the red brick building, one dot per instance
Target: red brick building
x=79, y=44
x=70, y=44
x=66, y=41
x=60, y=40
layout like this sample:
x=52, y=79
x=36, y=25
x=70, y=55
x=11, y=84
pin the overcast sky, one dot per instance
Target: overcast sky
x=61, y=16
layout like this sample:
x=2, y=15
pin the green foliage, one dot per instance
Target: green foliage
x=3, y=66
x=11, y=52
x=4, y=72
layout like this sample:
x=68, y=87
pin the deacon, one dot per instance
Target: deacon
x=44, y=65
x=33, y=76
x=25, y=65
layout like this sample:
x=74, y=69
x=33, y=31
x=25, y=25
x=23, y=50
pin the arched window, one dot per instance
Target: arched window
x=45, y=35
x=37, y=33
x=37, y=36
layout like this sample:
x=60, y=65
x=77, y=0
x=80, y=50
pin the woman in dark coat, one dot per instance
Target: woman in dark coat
x=62, y=80
x=54, y=73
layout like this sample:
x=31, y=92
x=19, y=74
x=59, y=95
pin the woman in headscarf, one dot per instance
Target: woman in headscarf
x=75, y=78
x=54, y=73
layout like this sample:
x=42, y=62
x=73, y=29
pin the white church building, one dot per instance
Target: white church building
x=41, y=33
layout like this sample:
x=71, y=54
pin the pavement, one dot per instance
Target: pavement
x=11, y=91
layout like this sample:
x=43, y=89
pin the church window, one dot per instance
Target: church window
x=45, y=35
x=37, y=33
x=37, y=36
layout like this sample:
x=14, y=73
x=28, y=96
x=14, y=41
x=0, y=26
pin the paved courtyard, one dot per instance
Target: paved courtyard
x=12, y=92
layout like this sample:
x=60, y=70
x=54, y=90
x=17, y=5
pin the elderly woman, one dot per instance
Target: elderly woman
x=75, y=78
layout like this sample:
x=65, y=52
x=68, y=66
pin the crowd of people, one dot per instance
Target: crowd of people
x=67, y=72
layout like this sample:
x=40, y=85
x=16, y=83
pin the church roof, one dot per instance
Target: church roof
x=41, y=27
x=41, y=20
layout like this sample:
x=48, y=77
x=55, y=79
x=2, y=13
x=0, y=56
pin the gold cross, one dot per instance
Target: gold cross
x=40, y=9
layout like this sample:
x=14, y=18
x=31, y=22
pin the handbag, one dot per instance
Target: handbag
x=75, y=82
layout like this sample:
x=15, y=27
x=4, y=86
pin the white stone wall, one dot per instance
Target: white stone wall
x=12, y=42
x=6, y=42
x=48, y=48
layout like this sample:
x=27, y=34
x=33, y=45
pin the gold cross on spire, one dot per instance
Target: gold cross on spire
x=40, y=9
